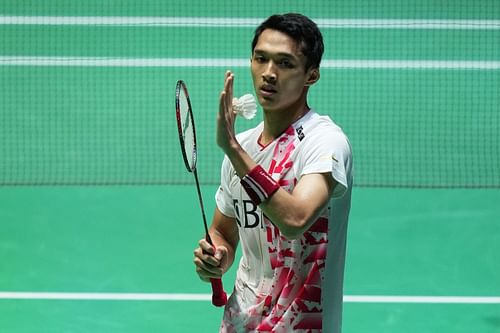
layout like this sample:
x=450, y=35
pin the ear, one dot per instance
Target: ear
x=313, y=76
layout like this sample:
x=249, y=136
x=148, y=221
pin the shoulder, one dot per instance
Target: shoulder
x=320, y=129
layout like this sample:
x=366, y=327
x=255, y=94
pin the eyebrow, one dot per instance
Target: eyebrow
x=279, y=54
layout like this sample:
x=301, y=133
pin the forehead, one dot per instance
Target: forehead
x=275, y=42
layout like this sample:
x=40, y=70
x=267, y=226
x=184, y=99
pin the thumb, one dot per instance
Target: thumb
x=220, y=252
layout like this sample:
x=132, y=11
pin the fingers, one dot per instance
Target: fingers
x=228, y=88
x=206, y=246
x=226, y=115
x=209, y=261
x=227, y=93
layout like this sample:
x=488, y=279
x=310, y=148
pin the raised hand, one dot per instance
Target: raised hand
x=226, y=137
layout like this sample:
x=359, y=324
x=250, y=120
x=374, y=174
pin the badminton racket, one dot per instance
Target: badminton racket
x=187, y=137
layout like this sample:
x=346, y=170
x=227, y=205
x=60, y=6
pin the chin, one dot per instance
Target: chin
x=269, y=105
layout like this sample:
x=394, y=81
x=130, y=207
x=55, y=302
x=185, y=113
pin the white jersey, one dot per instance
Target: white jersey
x=290, y=285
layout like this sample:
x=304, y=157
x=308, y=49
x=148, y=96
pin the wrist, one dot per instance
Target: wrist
x=259, y=185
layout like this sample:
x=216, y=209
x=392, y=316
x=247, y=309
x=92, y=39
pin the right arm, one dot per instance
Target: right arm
x=213, y=263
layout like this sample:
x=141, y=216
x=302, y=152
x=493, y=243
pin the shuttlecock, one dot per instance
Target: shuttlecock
x=245, y=106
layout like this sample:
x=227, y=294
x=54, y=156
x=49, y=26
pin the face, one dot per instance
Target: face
x=278, y=71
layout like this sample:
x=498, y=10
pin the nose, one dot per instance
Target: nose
x=269, y=74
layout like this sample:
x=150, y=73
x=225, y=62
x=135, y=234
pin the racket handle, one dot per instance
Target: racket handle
x=219, y=297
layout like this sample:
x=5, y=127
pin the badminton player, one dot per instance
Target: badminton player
x=285, y=193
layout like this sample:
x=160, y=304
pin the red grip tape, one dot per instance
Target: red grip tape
x=219, y=296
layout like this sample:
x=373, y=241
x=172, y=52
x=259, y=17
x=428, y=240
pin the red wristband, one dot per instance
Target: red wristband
x=259, y=185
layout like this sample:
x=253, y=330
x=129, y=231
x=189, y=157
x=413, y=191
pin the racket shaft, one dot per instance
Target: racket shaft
x=219, y=297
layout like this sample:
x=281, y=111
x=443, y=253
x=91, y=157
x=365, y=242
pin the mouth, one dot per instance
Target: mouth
x=267, y=90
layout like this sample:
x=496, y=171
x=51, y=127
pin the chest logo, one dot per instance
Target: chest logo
x=248, y=215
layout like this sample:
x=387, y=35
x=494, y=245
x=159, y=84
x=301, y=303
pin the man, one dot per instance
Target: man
x=285, y=193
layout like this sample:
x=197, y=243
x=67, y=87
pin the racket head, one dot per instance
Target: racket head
x=185, y=125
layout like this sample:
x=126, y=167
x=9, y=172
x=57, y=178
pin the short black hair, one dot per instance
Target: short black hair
x=301, y=29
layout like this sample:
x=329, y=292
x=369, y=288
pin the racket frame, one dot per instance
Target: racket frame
x=180, y=89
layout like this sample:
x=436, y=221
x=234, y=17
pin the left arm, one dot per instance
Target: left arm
x=293, y=213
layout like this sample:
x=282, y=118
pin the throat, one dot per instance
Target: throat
x=275, y=124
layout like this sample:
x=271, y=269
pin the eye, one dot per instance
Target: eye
x=259, y=58
x=286, y=63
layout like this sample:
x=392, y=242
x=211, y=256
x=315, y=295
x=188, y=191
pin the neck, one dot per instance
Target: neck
x=277, y=121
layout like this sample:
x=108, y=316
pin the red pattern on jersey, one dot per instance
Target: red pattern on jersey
x=294, y=299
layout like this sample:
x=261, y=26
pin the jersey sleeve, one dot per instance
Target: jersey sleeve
x=328, y=151
x=223, y=198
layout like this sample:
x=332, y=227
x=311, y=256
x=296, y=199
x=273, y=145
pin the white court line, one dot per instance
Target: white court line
x=228, y=63
x=423, y=299
x=104, y=296
x=120, y=62
x=247, y=22
x=206, y=297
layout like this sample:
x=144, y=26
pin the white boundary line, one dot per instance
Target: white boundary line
x=5, y=295
x=104, y=296
x=247, y=22
x=120, y=62
x=229, y=63
x=423, y=299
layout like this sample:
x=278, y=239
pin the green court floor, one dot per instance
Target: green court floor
x=129, y=240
